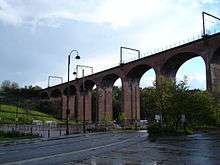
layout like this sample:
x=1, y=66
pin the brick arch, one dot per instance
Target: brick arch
x=171, y=66
x=88, y=85
x=72, y=90
x=109, y=80
x=138, y=71
x=44, y=96
x=56, y=93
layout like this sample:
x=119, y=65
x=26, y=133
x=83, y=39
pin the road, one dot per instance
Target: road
x=68, y=150
x=118, y=148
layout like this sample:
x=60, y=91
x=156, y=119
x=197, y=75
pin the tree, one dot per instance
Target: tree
x=201, y=109
x=6, y=85
x=173, y=100
x=94, y=105
x=116, y=102
x=14, y=86
x=147, y=104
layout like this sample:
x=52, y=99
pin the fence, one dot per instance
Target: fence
x=41, y=130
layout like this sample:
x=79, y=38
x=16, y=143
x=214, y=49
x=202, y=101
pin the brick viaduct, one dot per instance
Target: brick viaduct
x=165, y=63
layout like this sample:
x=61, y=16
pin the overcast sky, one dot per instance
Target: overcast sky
x=36, y=36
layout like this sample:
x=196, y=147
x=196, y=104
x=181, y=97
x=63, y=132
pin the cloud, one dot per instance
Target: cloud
x=194, y=80
x=124, y=12
x=8, y=14
x=117, y=13
x=97, y=28
x=43, y=12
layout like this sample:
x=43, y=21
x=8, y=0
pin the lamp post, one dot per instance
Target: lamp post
x=68, y=89
x=203, y=22
x=49, y=77
x=83, y=90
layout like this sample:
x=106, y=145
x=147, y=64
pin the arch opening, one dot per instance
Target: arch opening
x=148, y=79
x=172, y=65
x=117, y=100
x=44, y=96
x=193, y=73
x=94, y=113
x=146, y=86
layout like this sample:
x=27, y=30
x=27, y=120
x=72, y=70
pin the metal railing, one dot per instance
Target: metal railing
x=44, y=131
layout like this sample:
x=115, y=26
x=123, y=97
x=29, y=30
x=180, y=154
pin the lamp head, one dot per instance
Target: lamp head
x=77, y=57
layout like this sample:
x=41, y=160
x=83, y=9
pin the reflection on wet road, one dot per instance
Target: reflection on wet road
x=198, y=149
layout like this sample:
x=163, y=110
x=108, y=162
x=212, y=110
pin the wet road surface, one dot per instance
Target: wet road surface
x=117, y=148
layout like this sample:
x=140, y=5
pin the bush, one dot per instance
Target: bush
x=154, y=129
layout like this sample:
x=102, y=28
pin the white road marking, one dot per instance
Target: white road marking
x=64, y=154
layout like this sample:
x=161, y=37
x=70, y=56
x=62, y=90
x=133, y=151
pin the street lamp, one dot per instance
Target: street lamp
x=203, y=22
x=77, y=57
x=83, y=90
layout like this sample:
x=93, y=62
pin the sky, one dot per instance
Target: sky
x=36, y=36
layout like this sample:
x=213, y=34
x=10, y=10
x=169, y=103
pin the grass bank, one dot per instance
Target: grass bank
x=10, y=114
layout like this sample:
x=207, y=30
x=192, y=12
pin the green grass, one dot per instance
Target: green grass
x=25, y=116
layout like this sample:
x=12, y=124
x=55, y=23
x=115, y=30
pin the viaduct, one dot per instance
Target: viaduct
x=165, y=63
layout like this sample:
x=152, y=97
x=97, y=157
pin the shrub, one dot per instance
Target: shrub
x=154, y=129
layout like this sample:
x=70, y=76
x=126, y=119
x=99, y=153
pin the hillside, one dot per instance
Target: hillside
x=10, y=114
